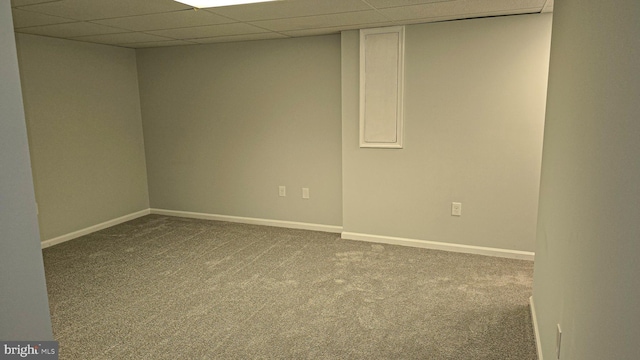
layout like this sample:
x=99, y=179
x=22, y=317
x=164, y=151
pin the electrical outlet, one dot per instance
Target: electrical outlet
x=558, y=341
x=305, y=193
x=456, y=209
x=282, y=190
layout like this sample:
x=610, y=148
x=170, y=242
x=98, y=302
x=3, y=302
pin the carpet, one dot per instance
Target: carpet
x=163, y=287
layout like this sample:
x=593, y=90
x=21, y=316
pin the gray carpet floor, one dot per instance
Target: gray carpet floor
x=170, y=288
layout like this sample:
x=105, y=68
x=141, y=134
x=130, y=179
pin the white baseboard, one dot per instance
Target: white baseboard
x=469, y=249
x=536, y=332
x=247, y=220
x=94, y=228
x=514, y=254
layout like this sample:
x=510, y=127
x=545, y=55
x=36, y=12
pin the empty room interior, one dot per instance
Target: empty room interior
x=218, y=183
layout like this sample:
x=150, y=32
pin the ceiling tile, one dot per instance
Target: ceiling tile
x=314, y=32
x=208, y=31
x=69, y=30
x=29, y=2
x=105, y=9
x=323, y=21
x=152, y=44
x=247, y=37
x=288, y=9
x=460, y=17
x=168, y=20
x=285, y=18
x=122, y=38
x=23, y=18
x=379, y=4
x=330, y=30
x=462, y=8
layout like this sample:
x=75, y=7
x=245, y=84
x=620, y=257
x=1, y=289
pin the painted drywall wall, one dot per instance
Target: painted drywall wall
x=474, y=117
x=588, y=242
x=226, y=124
x=24, y=307
x=85, y=132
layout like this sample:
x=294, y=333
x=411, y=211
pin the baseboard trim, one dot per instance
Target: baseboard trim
x=94, y=228
x=248, y=220
x=536, y=332
x=469, y=249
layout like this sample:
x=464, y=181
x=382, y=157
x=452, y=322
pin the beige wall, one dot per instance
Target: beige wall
x=588, y=243
x=85, y=132
x=474, y=116
x=24, y=307
x=226, y=124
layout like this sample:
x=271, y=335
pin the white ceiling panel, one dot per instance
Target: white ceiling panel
x=208, y=31
x=70, y=30
x=153, y=44
x=289, y=8
x=168, y=20
x=467, y=16
x=23, y=19
x=247, y=37
x=463, y=9
x=29, y=2
x=323, y=21
x=105, y=9
x=380, y=4
x=122, y=38
x=284, y=18
x=330, y=30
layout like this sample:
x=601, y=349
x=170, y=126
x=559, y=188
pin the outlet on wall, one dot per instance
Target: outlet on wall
x=456, y=209
x=282, y=190
x=305, y=193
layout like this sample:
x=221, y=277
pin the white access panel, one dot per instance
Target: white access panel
x=381, y=86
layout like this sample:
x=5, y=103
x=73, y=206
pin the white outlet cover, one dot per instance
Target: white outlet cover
x=456, y=209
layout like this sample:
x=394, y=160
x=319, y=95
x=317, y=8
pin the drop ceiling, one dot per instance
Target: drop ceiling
x=155, y=23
